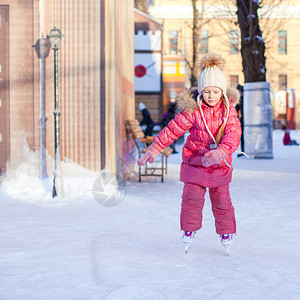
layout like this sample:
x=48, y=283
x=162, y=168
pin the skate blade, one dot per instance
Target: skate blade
x=227, y=251
x=186, y=249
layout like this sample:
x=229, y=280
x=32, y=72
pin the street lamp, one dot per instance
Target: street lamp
x=55, y=41
x=42, y=48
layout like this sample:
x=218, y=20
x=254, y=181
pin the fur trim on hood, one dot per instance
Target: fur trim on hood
x=187, y=99
x=234, y=95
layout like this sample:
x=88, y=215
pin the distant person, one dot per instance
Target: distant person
x=168, y=116
x=287, y=141
x=240, y=111
x=146, y=119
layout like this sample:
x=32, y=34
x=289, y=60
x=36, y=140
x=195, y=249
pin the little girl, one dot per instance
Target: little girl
x=215, y=132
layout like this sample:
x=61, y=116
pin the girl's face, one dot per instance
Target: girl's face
x=211, y=95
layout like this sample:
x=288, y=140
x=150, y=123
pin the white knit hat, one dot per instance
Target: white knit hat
x=211, y=66
x=212, y=76
x=142, y=106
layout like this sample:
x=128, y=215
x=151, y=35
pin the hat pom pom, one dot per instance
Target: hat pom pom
x=210, y=60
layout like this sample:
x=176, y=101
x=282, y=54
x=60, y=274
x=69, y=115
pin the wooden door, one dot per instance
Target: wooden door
x=4, y=88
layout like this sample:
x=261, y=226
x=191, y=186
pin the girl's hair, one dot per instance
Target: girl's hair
x=222, y=128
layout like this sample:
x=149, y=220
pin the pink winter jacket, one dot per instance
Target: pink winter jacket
x=199, y=140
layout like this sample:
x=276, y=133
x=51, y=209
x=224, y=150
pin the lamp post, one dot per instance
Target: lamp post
x=55, y=41
x=42, y=48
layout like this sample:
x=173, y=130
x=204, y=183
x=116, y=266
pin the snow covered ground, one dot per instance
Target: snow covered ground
x=74, y=248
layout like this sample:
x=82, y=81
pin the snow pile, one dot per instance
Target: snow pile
x=75, y=248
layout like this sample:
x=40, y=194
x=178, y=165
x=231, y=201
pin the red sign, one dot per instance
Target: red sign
x=140, y=71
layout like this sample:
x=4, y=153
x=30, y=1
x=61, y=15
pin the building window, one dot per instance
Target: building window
x=234, y=81
x=204, y=41
x=282, y=41
x=173, y=40
x=282, y=82
x=234, y=41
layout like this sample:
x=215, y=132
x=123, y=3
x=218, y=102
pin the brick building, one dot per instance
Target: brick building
x=95, y=79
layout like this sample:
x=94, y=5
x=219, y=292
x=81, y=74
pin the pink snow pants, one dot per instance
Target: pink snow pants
x=192, y=206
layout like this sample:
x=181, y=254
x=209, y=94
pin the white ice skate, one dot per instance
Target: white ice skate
x=226, y=241
x=187, y=239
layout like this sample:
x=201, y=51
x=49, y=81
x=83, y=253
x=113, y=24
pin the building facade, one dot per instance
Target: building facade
x=220, y=33
x=148, y=64
x=95, y=81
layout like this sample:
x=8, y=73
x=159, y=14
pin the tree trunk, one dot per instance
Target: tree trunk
x=257, y=124
x=253, y=45
x=141, y=5
x=196, y=45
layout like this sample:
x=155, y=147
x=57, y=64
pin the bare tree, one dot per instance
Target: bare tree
x=141, y=5
x=196, y=44
x=252, y=42
x=200, y=20
x=270, y=22
x=256, y=105
x=198, y=23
